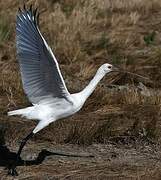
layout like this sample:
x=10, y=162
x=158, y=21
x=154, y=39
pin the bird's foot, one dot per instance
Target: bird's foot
x=12, y=171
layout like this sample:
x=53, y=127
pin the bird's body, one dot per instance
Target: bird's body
x=51, y=109
x=42, y=79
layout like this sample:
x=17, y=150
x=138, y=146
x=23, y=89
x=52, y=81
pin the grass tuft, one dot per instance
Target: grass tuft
x=4, y=30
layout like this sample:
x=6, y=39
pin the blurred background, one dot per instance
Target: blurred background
x=123, y=112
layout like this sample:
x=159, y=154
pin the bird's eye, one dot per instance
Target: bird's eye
x=109, y=67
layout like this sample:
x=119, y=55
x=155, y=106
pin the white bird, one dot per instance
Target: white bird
x=42, y=79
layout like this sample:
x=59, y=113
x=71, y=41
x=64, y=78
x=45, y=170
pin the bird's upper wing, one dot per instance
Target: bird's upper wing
x=41, y=76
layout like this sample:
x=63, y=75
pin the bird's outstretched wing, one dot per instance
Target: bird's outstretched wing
x=41, y=76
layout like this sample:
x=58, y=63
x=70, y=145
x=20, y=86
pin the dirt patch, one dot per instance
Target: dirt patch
x=110, y=162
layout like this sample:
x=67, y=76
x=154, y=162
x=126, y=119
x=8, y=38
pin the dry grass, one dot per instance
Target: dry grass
x=83, y=35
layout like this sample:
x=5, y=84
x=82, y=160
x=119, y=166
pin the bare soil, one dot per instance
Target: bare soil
x=110, y=161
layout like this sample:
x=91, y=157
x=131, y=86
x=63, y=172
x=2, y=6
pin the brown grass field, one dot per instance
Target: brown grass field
x=120, y=123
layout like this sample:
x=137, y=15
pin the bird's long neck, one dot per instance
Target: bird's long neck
x=87, y=91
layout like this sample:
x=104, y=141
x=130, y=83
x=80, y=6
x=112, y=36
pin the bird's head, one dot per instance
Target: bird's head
x=106, y=68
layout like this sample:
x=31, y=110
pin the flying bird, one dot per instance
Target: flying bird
x=42, y=79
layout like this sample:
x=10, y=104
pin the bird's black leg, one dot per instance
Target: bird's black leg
x=12, y=170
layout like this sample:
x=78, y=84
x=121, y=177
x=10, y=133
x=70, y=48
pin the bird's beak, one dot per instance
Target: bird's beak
x=115, y=69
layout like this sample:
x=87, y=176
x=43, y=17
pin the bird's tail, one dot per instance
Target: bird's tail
x=16, y=112
x=22, y=112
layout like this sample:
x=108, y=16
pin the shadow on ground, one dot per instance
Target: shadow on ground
x=7, y=157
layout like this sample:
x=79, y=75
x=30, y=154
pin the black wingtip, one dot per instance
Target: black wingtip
x=37, y=18
x=30, y=8
x=24, y=7
x=34, y=13
x=19, y=10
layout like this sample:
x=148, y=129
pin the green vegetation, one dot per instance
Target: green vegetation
x=4, y=30
x=149, y=39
